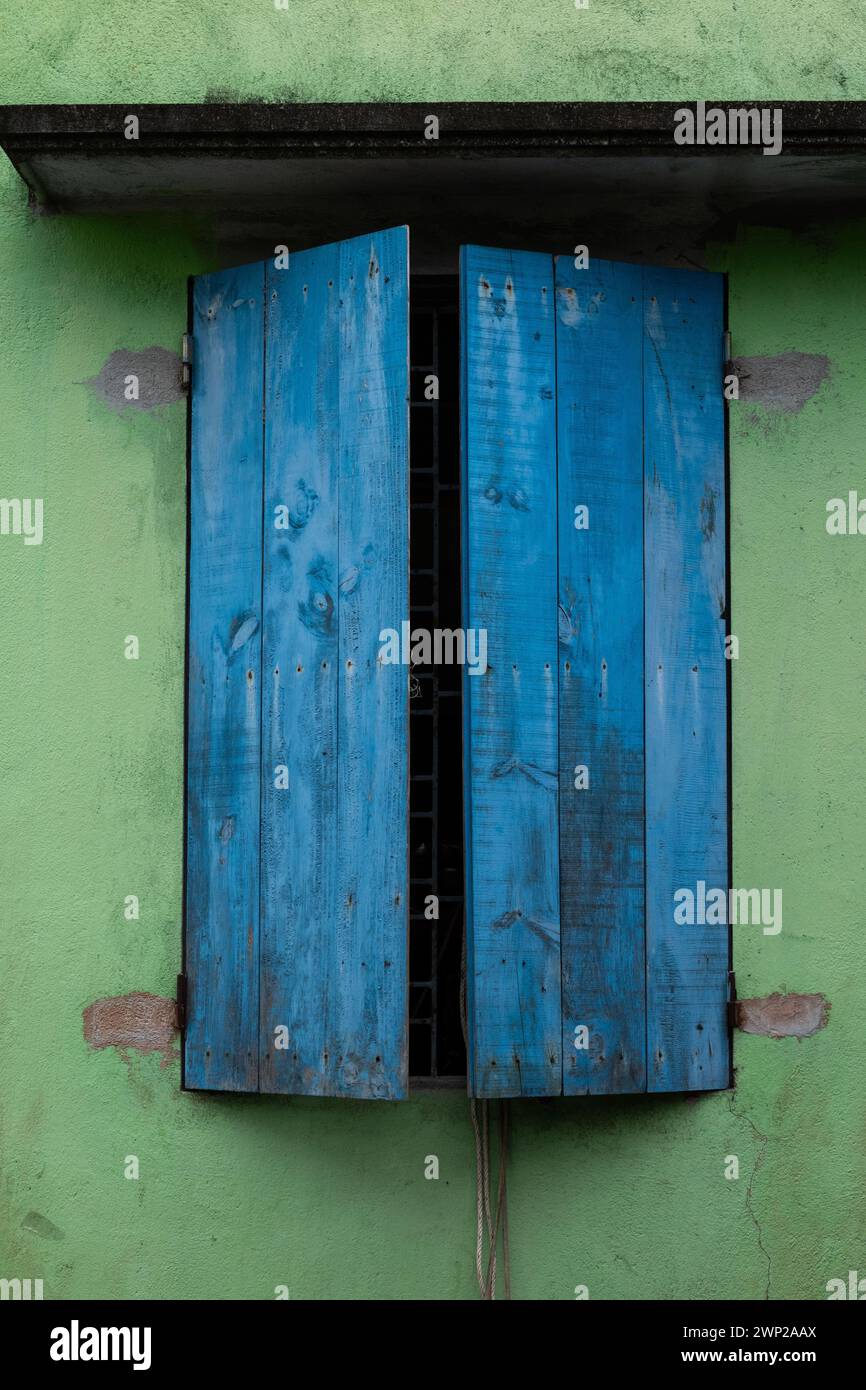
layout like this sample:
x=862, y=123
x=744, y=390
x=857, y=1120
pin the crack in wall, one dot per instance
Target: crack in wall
x=756, y=1168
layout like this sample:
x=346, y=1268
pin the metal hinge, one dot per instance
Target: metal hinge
x=732, y=999
x=186, y=361
x=180, y=1002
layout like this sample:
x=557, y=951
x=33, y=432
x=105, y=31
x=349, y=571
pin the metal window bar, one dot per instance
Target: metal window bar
x=436, y=1048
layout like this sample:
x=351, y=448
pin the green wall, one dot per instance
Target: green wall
x=410, y=50
x=237, y=1195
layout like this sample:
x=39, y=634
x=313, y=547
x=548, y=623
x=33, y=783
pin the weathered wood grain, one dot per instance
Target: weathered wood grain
x=369, y=1005
x=686, y=696
x=284, y=674
x=300, y=669
x=223, y=739
x=335, y=846
x=511, y=755
x=601, y=697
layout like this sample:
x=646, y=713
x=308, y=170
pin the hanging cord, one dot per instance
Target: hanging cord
x=502, y=1198
x=485, y=1223
x=479, y=1197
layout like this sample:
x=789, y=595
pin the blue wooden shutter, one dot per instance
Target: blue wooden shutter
x=596, y=389
x=297, y=759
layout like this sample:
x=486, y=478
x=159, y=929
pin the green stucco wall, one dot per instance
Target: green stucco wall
x=237, y=1195
x=411, y=50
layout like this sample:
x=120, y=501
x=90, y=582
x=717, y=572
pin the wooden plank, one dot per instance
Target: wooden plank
x=300, y=664
x=511, y=759
x=335, y=835
x=601, y=699
x=370, y=993
x=223, y=719
x=686, y=701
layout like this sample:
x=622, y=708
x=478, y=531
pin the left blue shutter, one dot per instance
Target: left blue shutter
x=297, y=749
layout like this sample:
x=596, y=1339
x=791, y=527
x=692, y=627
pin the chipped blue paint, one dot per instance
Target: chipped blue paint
x=297, y=956
x=335, y=848
x=510, y=713
x=640, y=587
x=600, y=453
x=223, y=741
x=592, y=639
x=686, y=678
x=301, y=655
x=372, y=867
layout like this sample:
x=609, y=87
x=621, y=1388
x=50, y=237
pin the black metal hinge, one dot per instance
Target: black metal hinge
x=732, y=999
x=186, y=361
x=180, y=1002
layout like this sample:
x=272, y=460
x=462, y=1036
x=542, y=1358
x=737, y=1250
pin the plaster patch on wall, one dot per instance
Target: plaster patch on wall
x=158, y=372
x=785, y=382
x=145, y=1022
x=35, y=1221
x=784, y=1015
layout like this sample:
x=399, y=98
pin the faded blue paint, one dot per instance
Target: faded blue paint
x=639, y=683
x=323, y=753
x=686, y=677
x=299, y=708
x=509, y=546
x=370, y=980
x=225, y=581
x=599, y=333
x=568, y=613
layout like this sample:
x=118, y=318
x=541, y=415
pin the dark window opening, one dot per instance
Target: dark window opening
x=436, y=1046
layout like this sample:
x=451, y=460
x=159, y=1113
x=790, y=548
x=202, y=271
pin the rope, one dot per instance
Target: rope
x=502, y=1204
x=485, y=1163
x=479, y=1183
x=485, y=1222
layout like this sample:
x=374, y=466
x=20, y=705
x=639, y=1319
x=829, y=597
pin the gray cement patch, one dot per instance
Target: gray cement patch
x=785, y=382
x=158, y=379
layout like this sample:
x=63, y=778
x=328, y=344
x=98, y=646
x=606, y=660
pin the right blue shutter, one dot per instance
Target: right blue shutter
x=596, y=389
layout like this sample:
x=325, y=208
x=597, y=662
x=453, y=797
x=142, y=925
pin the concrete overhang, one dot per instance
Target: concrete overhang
x=546, y=175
